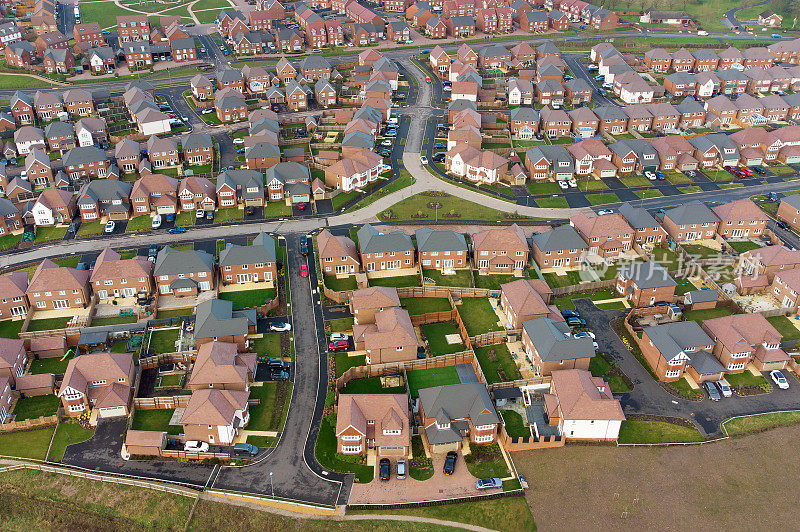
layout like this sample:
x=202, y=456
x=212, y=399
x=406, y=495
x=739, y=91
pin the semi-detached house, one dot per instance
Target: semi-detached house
x=385, y=251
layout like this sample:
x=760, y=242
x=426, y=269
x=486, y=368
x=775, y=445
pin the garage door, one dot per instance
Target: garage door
x=115, y=411
x=391, y=451
x=445, y=447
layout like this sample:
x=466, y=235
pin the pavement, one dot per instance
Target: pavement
x=648, y=397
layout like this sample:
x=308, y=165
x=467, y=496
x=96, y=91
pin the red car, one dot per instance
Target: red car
x=338, y=345
x=301, y=206
x=746, y=171
x=303, y=270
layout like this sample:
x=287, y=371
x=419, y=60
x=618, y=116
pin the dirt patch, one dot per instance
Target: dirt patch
x=669, y=488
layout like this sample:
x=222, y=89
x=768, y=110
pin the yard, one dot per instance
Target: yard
x=667, y=258
x=157, y=419
x=570, y=278
x=601, y=366
x=478, y=315
x=428, y=378
x=703, y=252
x=271, y=413
x=545, y=187
x=175, y=312
x=706, y=314
x=67, y=433
x=743, y=245
x=10, y=328
x=30, y=444
x=341, y=324
x=486, y=461
x=515, y=425
x=163, y=340
x=327, y=456
x=276, y=209
x=745, y=378
x=229, y=214
x=648, y=431
x=785, y=327
x=397, y=281
x=90, y=229
x=497, y=364
x=113, y=320
x=137, y=224
x=460, y=278
x=636, y=181
x=49, y=365
x=248, y=298
x=423, y=305
x=751, y=424
x=34, y=407
x=494, y=280
x=48, y=233
x=269, y=344
x=340, y=284
x=48, y=324
x=435, y=335
x=345, y=362
x=647, y=194
x=371, y=385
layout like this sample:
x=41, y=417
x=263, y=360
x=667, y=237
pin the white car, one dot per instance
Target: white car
x=200, y=214
x=779, y=380
x=335, y=337
x=206, y=111
x=447, y=88
x=156, y=221
x=110, y=225
x=392, y=120
x=386, y=143
x=198, y=446
x=280, y=327
x=573, y=183
x=601, y=212
x=423, y=159
x=724, y=388
x=563, y=184
x=650, y=175
x=238, y=140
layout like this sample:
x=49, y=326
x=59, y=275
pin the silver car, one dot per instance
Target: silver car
x=489, y=483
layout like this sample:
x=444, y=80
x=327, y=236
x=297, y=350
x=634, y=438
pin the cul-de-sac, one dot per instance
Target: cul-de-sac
x=378, y=265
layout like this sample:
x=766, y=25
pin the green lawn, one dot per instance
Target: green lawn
x=137, y=224
x=423, y=305
x=666, y=258
x=646, y=194
x=745, y=378
x=175, y=312
x=478, y=315
x=157, y=419
x=785, y=327
x=570, y=278
x=275, y=209
x=90, y=229
x=163, y=340
x=435, y=335
x=747, y=425
x=646, y=431
x=553, y=202
x=592, y=184
x=327, y=456
x=49, y=365
x=345, y=362
x=104, y=13
x=113, y=320
x=461, y=278
x=706, y=314
x=269, y=344
x=494, y=280
x=782, y=169
x=262, y=441
x=370, y=385
x=229, y=214
x=173, y=379
x=611, y=305
x=635, y=181
x=486, y=461
x=248, y=298
x=341, y=284
x=678, y=178
x=697, y=250
x=271, y=413
x=743, y=245
x=600, y=366
x=9, y=241
x=34, y=407
x=21, y=81
x=397, y=281
x=546, y=187
x=451, y=208
x=48, y=324
x=428, y=378
x=341, y=324
x=515, y=425
x=30, y=444
x=602, y=198
x=403, y=180
x=682, y=387
x=10, y=328
x=66, y=434
x=48, y=233
x=690, y=189
x=185, y=218
x=502, y=360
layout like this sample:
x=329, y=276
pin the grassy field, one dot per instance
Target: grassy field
x=494, y=280
x=647, y=431
x=553, y=202
x=21, y=81
x=416, y=208
x=747, y=425
x=602, y=198
x=435, y=335
x=743, y=245
x=785, y=326
x=478, y=315
x=104, y=13
x=706, y=314
x=341, y=324
x=637, y=488
x=49, y=233
x=428, y=378
x=113, y=320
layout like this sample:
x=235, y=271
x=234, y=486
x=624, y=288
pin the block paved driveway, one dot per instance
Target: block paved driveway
x=648, y=397
x=439, y=486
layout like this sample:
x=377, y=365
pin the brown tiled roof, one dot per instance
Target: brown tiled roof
x=580, y=397
x=336, y=246
x=743, y=209
x=214, y=407
x=375, y=297
x=509, y=239
x=775, y=256
x=9, y=351
x=387, y=411
x=96, y=366
x=739, y=333
x=109, y=266
x=525, y=296
x=607, y=225
x=220, y=363
x=13, y=284
x=394, y=329
x=50, y=276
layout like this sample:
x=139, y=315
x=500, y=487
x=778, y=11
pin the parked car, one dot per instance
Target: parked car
x=385, y=153
x=385, y=467
x=245, y=448
x=169, y=218
x=177, y=230
x=197, y=446
x=576, y=322
x=423, y=159
x=724, y=388
x=713, y=394
x=602, y=212
x=386, y=142
x=401, y=469
x=206, y=111
x=110, y=225
x=760, y=169
x=303, y=247
x=779, y=380
x=420, y=352
x=584, y=334
x=210, y=215
x=691, y=173
x=250, y=211
x=238, y=140
x=660, y=176
x=152, y=251
x=783, y=225
x=276, y=363
x=280, y=326
x=303, y=270
x=279, y=375
x=488, y=483
x=570, y=314
x=450, y=462
x=563, y=184
x=156, y=221
x=650, y=175
x=338, y=345
x=338, y=337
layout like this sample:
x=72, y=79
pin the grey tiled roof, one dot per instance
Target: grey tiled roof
x=553, y=342
x=371, y=241
x=440, y=240
x=561, y=238
x=647, y=275
x=262, y=250
x=170, y=261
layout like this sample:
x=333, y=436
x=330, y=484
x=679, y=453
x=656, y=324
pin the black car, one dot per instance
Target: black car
x=279, y=374
x=385, y=153
x=759, y=170
x=152, y=251
x=250, y=211
x=275, y=363
x=421, y=352
x=570, y=314
x=576, y=322
x=439, y=157
x=385, y=469
x=783, y=225
x=450, y=462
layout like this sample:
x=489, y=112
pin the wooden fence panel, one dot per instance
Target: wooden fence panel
x=29, y=424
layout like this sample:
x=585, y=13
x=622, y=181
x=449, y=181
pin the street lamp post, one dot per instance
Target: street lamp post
x=271, y=487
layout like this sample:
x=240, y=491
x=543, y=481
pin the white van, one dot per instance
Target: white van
x=156, y=221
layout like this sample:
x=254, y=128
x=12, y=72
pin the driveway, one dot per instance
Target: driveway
x=440, y=486
x=648, y=397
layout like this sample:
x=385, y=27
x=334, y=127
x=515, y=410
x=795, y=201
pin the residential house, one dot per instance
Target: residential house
x=215, y=416
x=391, y=338
x=220, y=366
x=609, y=236
x=543, y=162
x=104, y=198
x=373, y=421
x=337, y=254
x=740, y=339
x=113, y=278
x=561, y=247
x=197, y=193
x=366, y=303
x=673, y=348
x=13, y=300
x=53, y=206
x=501, y=250
x=154, y=193
x=102, y=382
x=183, y=272
x=85, y=162
x=524, y=300
x=455, y=411
x=244, y=265
x=162, y=152
x=647, y=231
x=78, y=102
x=443, y=250
x=198, y=149
x=645, y=283
x=585, y=408
x=550, y=346
x=37, y=164
x=740, y=219
x=217, y=321
x=53, y=287
x=385, y=251
x=236, y=187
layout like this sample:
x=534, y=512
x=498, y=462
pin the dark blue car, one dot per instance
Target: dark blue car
x=659, y=175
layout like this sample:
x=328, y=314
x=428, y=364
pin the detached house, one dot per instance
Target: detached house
x=609, y=236
x=197, y=193
x=502, y=250
x=373, y=421
x=455, y=411
x=85, y=162
x=55, y=288
x=443, y=250
x=220, y=366
x=366, y=303
x=113, y=278
x=690, y=222
x=104, y=198
x=13, y=301
x=583, y=407
x=390, y=339
x=743, y=338
x=102, y=382
x=256, y=263
x=550, y=346
x=183, y=273
x=380, y=252
x=647, y=231
x=215, y=416
x=645, y=283
x=526, y=299
x=337, y=254
x=673, y=348
x=154, y=193
x=561, y=247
